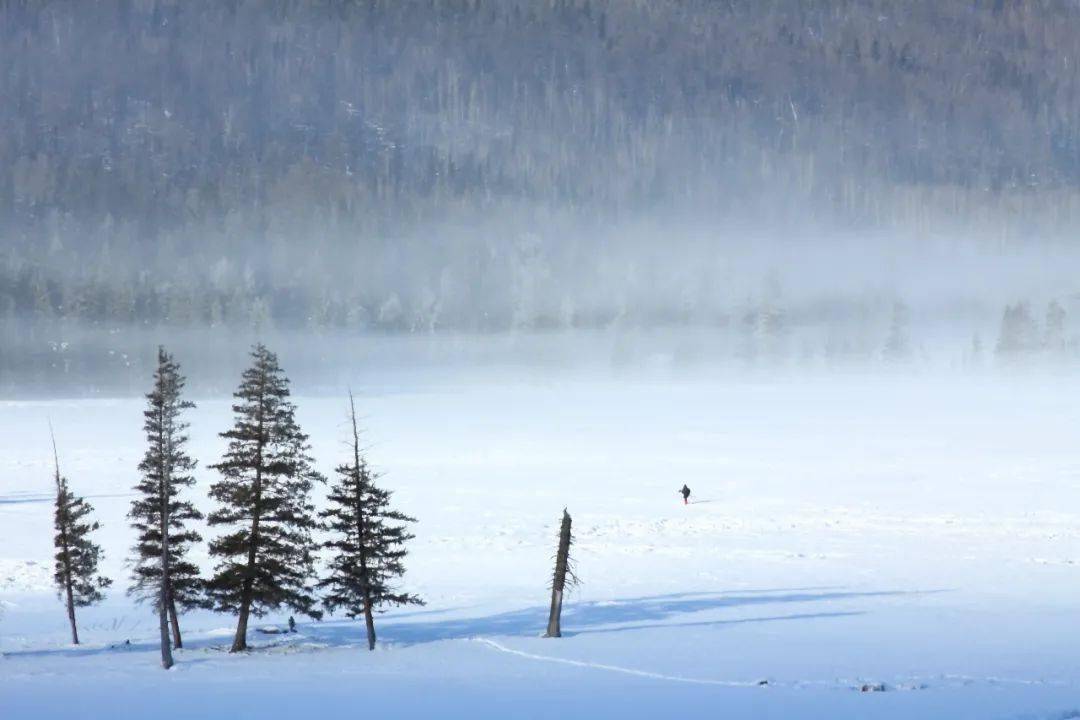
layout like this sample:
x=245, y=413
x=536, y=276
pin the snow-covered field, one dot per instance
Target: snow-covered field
x=911, y=531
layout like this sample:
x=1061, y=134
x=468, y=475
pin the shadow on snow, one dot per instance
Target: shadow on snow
x=610, y=616
x=622, y=615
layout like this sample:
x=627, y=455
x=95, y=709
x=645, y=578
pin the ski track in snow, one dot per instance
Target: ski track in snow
x=612, y=668
x=912, y=683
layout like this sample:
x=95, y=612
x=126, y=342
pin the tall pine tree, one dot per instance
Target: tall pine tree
x=76, y=574
x=266, y=558
x=162, y=573
x=368, y=543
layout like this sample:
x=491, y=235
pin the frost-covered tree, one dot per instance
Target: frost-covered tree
x=771, y=330
x=974, y=356
x=76, y=572
x=1018, y=334
x=265, y=559
x=897, y=345
x=368, y=543
x=1054, y=332
x=162, y=573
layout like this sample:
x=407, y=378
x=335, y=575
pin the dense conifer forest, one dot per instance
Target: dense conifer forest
x=466, y=165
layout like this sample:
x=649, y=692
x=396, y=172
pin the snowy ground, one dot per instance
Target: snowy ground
x=915, y=532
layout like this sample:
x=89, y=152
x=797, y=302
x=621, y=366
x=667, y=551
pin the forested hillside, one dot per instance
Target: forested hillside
x=480, y=165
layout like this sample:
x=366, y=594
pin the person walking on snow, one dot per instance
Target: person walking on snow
x=685, y=494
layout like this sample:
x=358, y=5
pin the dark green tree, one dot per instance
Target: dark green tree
x=162, y=574
x=368, y=542
x=265, y=559
x=76, y=574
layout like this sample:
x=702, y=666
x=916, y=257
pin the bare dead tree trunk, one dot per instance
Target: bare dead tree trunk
x=369, y=621
x=75, y=629
x=177, y=641
x=240, y=641
x=558, y=584
x=71, y=606
x=67, y=584
x=163, y=590
x=163, y=626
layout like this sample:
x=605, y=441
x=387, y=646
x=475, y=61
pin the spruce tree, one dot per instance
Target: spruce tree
x=368, y=543
x=1019, y=333
x=266, y=557
x=76, y=574
x=162, y=573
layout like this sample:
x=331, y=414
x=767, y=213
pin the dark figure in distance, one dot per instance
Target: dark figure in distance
x=685, y=494
x=292, y=624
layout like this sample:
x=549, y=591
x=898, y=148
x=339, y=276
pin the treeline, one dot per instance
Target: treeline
x=482, y=164
x=1023, y=336
x=265, y=551
x=765, y=331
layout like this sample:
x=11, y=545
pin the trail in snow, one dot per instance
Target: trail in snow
x=914, y=683
x=614, y=668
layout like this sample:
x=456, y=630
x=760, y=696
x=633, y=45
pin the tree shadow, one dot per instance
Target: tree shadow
x=20, y=499
x=603, y=616
x=718, y=623
x=85, y=650
x=622, y=615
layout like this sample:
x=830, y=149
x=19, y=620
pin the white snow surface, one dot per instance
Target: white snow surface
x=911, y=532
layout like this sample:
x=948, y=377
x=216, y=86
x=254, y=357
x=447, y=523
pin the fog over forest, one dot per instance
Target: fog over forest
x=760, y=183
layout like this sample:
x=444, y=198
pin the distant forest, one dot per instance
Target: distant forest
x=482, y=165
